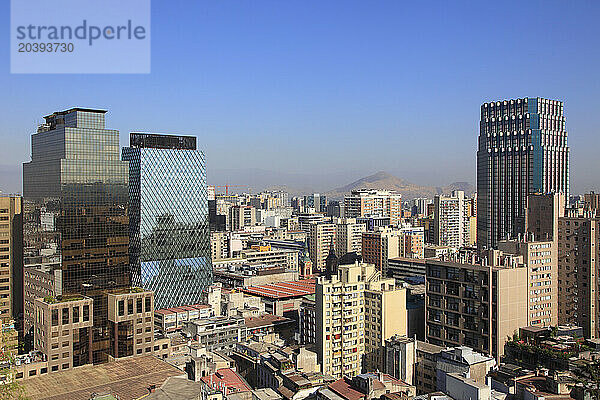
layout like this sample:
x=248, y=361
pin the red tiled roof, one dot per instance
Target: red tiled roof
x=344, y=389
x=228, y=377
x=281, y=290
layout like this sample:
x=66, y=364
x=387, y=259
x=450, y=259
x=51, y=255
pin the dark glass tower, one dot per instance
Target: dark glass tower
x=170, y=239
x=522, y=150
x=75, y=199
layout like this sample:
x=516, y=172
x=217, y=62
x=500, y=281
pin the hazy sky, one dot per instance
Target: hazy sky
x=333, y=88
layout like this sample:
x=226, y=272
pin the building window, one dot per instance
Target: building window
x=121, y=308
x=54, y=317
x=129, y=306
x=148, y=305
x=75, y=315
x=138, y=302
x=86, y=313
x=65, y=316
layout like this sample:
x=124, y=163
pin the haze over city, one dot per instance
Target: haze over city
x=316, y=95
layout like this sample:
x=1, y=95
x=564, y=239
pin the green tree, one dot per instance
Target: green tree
x=10, y=389
x=587, y=375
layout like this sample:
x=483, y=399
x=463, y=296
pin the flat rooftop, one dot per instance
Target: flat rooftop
x=128, y=378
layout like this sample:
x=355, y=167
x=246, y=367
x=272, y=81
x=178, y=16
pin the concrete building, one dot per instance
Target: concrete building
x=282, y=298
x=524, y=140
x=308, y=320
x=541, y=259
x=241, y=216
x=239, y=276
x=63, y=330
x=348, y=237
x=379, y=246
x=216, y=333
x=316, y=201
x=369, y=202
x=401, y=267
x=476, y=303
x=259, y=256
x=367, y=386
x=321, y=239
x=131, y=314
x=11, y=259
x=464, y=362
x=578, y=256
x=383, y=244
x=38, y=282
x=356, y=311
x=451, y=218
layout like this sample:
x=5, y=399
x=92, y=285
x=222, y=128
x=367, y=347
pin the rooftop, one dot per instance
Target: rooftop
x=282, y=290
x=264, y=320
x=343, y=387
x=229, y=378
x=128, y=378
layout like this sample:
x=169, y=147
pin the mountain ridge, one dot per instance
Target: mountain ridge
x=385, y=181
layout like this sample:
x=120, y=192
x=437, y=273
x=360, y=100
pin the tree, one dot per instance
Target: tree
x=10, y=388
x=587, y=375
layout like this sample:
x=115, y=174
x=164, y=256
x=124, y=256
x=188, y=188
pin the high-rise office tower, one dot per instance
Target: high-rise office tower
x=75, y=191
x=168, y=214
x=522, y=150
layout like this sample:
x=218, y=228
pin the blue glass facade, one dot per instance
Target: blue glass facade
x=168, y=215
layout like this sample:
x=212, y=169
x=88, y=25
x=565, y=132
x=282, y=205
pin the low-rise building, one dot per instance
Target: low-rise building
x=367, y=386
x=216, y=333
x=282, y=298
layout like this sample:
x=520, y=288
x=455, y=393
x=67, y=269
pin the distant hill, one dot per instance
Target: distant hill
x=385, y=181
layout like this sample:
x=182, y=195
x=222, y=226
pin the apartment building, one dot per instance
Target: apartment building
x=321, y=240
x=369, y=202
x=241, y=216
x=356, y=311
x=412, y=243
x=385, y=243
x=452, y=220
x=478, y=303
x=541, y=259
x=348, y=237
x=11, y=257
x=578, y=255
x=379, y=246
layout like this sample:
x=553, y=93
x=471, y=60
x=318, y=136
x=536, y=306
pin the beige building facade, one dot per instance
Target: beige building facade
x=356, y=311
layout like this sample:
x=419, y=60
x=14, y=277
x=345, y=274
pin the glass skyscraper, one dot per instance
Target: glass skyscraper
x=168, y=214
x=522, y=150
x=75, y=191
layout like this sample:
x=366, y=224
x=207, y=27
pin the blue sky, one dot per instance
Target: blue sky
x=333, y=88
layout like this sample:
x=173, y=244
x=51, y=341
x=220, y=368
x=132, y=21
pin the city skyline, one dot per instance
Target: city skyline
x=406, y=81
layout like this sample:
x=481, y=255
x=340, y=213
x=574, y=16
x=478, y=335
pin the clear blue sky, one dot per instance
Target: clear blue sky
x=323, y=87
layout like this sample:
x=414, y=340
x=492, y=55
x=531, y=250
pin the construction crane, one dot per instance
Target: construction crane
x=229, y=186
